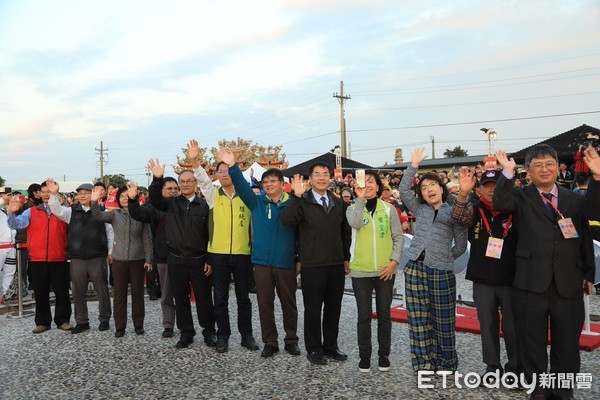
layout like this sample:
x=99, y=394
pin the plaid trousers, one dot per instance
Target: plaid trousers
x=431, y=306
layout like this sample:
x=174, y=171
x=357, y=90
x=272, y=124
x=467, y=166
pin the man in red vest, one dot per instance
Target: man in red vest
x=47, y=244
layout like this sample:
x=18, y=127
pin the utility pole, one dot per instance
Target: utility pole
x=432, y=146
x=102, y=151
x=342, y=99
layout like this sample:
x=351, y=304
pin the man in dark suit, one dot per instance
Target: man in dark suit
x=552, y=266
x=592, y=196
x=325, y=239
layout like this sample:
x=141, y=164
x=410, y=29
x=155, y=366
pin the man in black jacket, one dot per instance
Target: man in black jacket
x=491, y=267
x=186, y=229
x=89, y=244
x=592, y=197
x=156, y=218
x=554, y=263
x=325, y=239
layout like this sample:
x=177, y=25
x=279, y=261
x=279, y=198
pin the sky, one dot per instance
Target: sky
x=144, y=77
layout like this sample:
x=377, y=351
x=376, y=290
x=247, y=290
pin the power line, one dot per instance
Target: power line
x=480, y=70
x=480, y=82
x=407, y=91
x=475, y=122
x=477, y=102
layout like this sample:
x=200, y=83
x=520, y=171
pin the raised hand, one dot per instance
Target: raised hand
x=14, y=205
x=96, y=193
x=193, y=153
x=360, y=192
x=157, y=170
x=226, y=156
x=592, y=160
x=298, y=185
x=132, y=190
x=417, y=157
x=507, y=165
x=52, y=186
x=467, y=180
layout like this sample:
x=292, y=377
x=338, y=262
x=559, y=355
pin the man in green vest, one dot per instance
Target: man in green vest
x=228, y=250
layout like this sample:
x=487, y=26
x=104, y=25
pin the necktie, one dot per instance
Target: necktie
x=324, y=203
x=549, y=204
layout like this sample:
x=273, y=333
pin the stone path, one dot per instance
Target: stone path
x=96, y=365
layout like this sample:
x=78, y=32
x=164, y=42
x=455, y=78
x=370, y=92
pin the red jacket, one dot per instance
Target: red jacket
x=46, y=236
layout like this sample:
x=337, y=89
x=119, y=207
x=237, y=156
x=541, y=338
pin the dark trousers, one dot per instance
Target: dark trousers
x=167, y=303
x=363, y=292
x=532, y=311
x=83, y=271
x=322, y=289
x=223, y=266
x=153, y=281
x=283, y=281
x=125, y=273
x=488, y=299
x=182, y=272
x=44, y=275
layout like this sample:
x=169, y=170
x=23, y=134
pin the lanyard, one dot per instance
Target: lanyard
x=553, y=206
x=487, y=225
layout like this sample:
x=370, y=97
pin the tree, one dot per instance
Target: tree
x=456, y=152
x=117, y=180
x=2, y=181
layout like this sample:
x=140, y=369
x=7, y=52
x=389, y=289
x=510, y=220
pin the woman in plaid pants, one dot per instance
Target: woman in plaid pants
x=429, y=275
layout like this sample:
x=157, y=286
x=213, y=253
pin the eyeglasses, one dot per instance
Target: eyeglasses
x=431, y=185
x=187, y=181
x=540, y=166
x=321, y=174
x=223, y=172
x=271, y=181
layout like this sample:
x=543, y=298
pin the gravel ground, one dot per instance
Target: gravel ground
x=96, y=365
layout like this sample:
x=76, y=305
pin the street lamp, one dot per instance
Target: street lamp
x=491, y=134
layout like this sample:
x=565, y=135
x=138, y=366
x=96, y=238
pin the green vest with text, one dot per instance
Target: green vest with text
x=372, y=244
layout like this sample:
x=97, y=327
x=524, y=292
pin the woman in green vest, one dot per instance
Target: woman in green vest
x=377, y=243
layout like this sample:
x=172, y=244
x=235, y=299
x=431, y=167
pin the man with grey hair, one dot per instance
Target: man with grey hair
x=554, y=266
x=186, y=226
x=89, y=246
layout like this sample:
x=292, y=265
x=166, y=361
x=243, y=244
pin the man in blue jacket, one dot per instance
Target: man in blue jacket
x=273, y=255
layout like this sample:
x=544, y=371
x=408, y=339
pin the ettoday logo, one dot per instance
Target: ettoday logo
x=472, y=380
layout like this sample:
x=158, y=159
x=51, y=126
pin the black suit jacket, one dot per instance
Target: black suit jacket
x=542, y=251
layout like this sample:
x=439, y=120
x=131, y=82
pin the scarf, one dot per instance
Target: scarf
x=488, y=206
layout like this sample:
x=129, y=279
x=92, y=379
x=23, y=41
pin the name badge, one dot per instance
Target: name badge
x=494, y=247
x=567, y=228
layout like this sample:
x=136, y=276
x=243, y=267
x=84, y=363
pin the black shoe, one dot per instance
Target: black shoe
x=384, y=363
x=269, y=351
x=139, y=331
x=120, y=333
x=251, y=288
x=249, y=343
x=153, y=297
x=80, y=328
x=184, y=343
x=104, y=326
x=167, y=333
x=364, y=365
x=210, y=340
x=222, y=345
x=293, y=349
x=335, y=354
x=316, y=358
